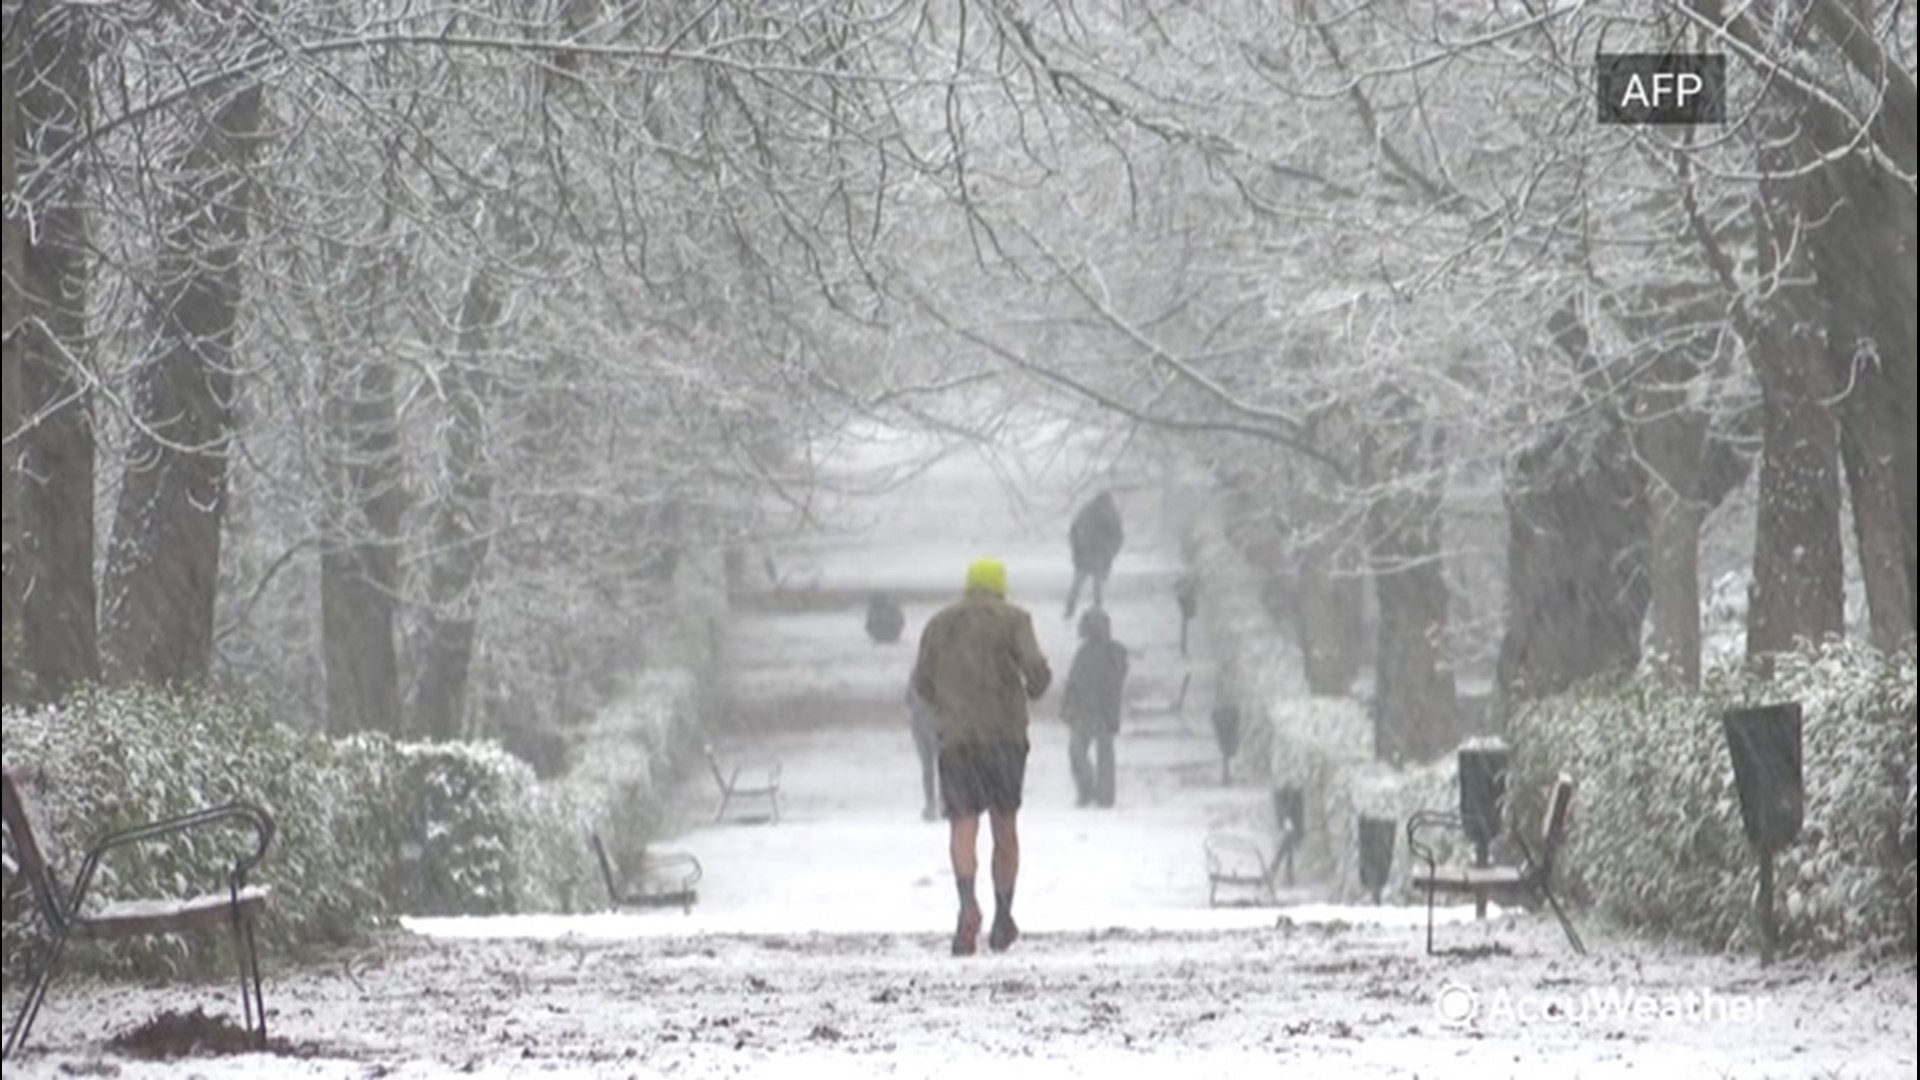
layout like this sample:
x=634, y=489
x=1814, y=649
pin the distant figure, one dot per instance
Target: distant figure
x=1091, y=704
x=926, y=742
x=1226, y=731
x=978, y=667
x=1186, y=592
x=1095, y=537
x=885, y=620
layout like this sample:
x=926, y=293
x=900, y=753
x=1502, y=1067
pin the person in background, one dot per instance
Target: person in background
x=979, y=665
x=926, y=742
x=1186, y=592
x=1090, y=701
x=885, y=620
x=1095, y=538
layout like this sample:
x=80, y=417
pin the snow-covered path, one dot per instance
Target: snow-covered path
x=818, y=947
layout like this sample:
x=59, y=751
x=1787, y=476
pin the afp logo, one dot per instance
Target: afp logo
x=1662, y=88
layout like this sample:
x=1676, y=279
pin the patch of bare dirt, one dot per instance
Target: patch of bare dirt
x=197, y=1034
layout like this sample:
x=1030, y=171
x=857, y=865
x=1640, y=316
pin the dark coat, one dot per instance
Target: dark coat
x=1096, y=535
x=1092, y=697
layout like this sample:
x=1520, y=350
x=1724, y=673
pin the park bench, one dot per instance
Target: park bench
x=1531, y=880
x=1236, y=861
x=739, y=782
x=67, y=913
x=666, y=879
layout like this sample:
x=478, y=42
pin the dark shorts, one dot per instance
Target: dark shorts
x=977, y=777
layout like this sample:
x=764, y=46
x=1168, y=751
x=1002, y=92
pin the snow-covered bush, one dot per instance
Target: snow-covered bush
x=1323, y=745
x=472, y=829
x=109, y=759
x=366, y=826
x=626, y=758
x=1658, y=841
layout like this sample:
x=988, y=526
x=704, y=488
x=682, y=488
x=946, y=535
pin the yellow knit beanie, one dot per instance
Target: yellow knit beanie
x=988, y=575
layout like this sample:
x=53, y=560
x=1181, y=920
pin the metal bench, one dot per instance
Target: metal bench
x=740, y=782
x=1531, y=880
x=667, y=879
x=66, y=914
x=1237, y=861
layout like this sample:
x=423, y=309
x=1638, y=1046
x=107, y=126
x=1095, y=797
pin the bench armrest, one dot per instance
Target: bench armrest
x=1233, y=856
x=1427, y=821
x=674, y=863
x=247, y=813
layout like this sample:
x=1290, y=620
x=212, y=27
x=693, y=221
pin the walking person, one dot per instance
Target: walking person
x=1095, y=538
x=926, y=742
x=979, y=665
x=885, y=619
x=1186, y=593
x=1090, y=701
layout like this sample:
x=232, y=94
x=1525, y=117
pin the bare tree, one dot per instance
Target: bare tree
x=48, y=426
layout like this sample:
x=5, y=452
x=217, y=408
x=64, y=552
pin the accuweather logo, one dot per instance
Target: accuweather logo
x=1661, y=88
x=1460, y=1005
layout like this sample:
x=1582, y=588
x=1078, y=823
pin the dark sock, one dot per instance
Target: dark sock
x=964, y=886
x=1003, y=904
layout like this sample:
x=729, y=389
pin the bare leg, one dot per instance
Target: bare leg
x=1006, y=848
x=1006, y=870
x=964, y=837
x=963, y=843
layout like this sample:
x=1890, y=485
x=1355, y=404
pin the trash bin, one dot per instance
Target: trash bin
x=1765, y=742
x=1483, y=792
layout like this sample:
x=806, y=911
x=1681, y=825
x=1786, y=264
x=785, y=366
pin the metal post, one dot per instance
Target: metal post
x=1767, y=930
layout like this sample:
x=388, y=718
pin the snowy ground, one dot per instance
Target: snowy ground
x=818, y=947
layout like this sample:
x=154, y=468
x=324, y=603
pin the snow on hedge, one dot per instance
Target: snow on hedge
x=368, y=826
x=1323, y=745
x=1658, y=840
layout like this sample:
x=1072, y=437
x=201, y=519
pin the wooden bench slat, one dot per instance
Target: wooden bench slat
x=122, y=918
x=1471, y=878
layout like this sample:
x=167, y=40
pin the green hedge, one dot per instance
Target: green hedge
x=367, y=826
x=110, y=759
x=1658, y=842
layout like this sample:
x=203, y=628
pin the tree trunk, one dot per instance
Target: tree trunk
x=1577, y=588
x=1673, y=579
x=461, y=523
x=359, y=565
x=49, y=593
x=163, y=565
x=1797, y=570
x=1416, y=711
x=1327, y=613
x=1670, y=442
x=1864, y=256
